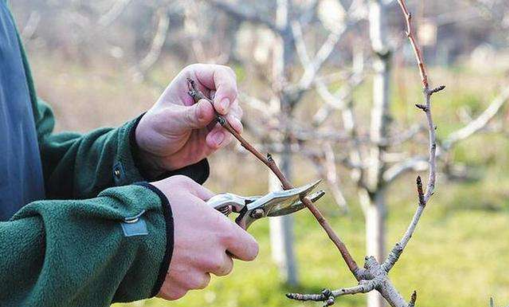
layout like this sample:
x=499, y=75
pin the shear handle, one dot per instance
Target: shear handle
x=227, y=203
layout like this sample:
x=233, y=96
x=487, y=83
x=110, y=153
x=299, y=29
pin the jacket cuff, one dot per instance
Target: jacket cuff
x=125, y=169
x=199, y=172
x=168, y=217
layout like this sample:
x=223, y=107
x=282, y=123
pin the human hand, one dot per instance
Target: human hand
x=176, y=132
x=204, y=239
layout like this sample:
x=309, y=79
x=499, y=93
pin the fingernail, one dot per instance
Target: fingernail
x=225, y=104
x=219, y=138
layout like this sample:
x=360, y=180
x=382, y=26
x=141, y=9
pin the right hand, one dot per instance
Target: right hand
x=204, y=239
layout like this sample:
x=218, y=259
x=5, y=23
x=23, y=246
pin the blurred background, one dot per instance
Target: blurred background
x=329, y=87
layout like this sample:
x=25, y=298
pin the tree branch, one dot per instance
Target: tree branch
x=479, y=123
x=375, y=276
x=241, y=13
x=271, y=164
x=30, y=26
x=113, y=13
x=157, y=44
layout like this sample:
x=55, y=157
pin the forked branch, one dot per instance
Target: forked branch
x=375, y=276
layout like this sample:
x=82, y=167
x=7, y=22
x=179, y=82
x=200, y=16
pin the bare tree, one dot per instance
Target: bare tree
x=374, y=276
x=368, y=155
x=288, y=91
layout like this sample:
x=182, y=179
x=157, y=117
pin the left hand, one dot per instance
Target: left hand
x=176, y=132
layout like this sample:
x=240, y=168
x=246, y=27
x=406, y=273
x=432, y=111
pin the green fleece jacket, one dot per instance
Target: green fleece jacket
x=100, y=237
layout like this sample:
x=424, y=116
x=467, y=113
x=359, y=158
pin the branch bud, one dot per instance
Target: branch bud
x=420, y=191
x=437, y=89
x=422, y=107
x=413, y=299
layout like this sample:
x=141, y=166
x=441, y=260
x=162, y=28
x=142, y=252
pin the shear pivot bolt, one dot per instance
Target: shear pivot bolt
x=257, y=213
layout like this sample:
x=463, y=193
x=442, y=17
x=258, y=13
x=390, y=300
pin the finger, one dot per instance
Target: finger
x=171, y=292
x=226, y=266
x=204, y=282
x=195, y=281
x=198, y=190
x=240, y=243
x=196, y=116
x=237, y=109
x=234, y=116
x=235, y=123
x=222, y=79
x=217, y=137
x=220, y=266
x=199, y=115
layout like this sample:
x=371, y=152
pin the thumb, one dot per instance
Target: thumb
x=196, y=116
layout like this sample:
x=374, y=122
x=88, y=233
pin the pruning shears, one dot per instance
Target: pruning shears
x=253, y=208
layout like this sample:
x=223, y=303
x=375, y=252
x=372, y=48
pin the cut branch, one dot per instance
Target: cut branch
x=271, y=164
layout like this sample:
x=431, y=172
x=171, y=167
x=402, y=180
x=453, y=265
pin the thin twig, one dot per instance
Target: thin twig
x=328, y=295
x=480, y=122
x=427, y=98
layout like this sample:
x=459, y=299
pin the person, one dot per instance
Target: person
x=115, y=215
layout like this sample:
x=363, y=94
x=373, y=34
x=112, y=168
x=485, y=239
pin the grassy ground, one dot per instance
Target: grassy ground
x=457, y=257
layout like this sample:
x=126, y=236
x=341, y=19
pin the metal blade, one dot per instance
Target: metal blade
x=279, y=200
x=298, y=205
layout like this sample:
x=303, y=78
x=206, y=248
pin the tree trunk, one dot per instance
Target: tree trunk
x=375, y=239
x=375, y=227
x=281, y=228
x=380, y=121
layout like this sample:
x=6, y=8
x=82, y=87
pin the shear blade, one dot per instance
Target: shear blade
x=284, y=202
x=297, y=205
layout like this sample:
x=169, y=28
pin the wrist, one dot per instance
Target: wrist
x=145, y=161
x=148, y=165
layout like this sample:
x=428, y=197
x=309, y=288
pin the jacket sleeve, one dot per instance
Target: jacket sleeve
x=80, y=166
x=113, y=248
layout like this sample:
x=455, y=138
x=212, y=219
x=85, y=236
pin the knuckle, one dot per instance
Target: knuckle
x=254, y=249
x=229, y=235
x=171, y=293
x=228, y=267
x=190, y=116
x=180, y=178
x=229, y=89
x=223, y=265
x=200, y=111
x=204, y=281
x=231, y=71
x=192, y=67
x=184, y=181
x=196, y=281
x=177, y=294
